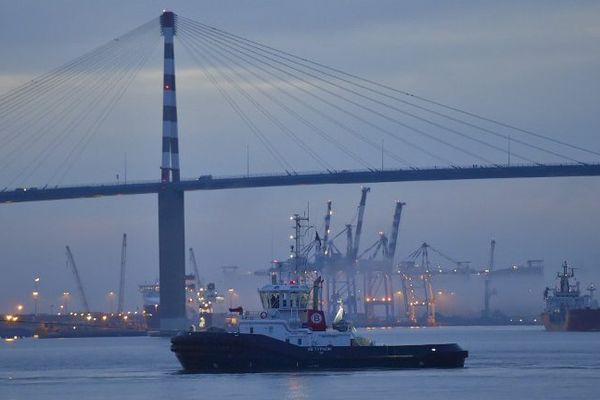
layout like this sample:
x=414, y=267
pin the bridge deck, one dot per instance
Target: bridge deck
x=207, y=182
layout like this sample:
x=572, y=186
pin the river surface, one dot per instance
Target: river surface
x=504, y=362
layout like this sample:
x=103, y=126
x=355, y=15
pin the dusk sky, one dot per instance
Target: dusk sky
x=531, y=64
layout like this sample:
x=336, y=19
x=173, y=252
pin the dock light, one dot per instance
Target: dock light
x=8, y=317
x=104, y=318
x=89, y=317
x=20, y=307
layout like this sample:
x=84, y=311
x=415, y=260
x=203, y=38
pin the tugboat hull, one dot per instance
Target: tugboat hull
x=232, y=352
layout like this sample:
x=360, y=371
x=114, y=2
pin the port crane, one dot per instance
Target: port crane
x=71, y=264
x=340, y=270
x=359, y=221
x=325, y=248
x=378, y=287
x=488, y=292
x=122, y=275
x=410, y=275
x=195, y=268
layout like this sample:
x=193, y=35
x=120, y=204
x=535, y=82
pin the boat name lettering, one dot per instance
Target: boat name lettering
x=319, y=348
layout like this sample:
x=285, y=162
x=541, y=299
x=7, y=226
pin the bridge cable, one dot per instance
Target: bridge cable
x=278, y=123
x=96, y=103
x=109, y=79
x=253, y=128
x=257, y=105
x=61, y=71
x=85, y=140
x=237, y=43
x=362, y=106
x=298, y=100
x=72, y=98
x=439, y=126
x=353, y=115
x=279, y=53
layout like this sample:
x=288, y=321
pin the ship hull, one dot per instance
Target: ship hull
x=582, y=320
x=229, y=352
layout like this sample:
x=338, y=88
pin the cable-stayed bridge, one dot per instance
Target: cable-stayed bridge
x=47, y=124
x=209, y=182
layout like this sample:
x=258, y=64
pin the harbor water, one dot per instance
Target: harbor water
x=504, y=362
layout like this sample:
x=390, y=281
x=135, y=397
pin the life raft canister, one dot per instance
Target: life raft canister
x=263, y=315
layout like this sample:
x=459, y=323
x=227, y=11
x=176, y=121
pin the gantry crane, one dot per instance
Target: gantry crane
x=195, y=267
x=393, y=240
x=325, y=246
x=378, y=287
x=359, y=221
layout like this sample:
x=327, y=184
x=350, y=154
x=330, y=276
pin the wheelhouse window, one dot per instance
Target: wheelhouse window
x=274, y=300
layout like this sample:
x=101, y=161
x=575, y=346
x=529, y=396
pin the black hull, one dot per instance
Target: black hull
x=228, y=352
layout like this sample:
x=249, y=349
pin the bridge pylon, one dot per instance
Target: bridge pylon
x=171, y=215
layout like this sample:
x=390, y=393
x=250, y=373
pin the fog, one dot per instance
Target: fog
x=532, y=66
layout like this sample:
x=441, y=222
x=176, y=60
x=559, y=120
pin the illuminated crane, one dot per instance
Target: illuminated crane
x=378, y=288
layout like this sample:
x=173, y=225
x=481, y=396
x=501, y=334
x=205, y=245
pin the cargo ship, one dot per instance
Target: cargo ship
x=290, y=334
x=567, y=309
x=200, y=303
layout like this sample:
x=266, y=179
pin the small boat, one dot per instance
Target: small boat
x=289, y=335
x=567, y=309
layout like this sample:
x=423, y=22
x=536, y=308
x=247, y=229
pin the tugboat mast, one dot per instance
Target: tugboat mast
x=299, y=261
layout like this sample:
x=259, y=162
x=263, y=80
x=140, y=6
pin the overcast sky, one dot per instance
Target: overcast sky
x=533, y=64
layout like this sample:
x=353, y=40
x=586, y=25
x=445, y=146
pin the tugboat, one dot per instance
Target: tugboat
x=568, y=310
x=291, y=334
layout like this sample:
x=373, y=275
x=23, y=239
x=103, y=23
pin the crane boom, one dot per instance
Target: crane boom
x=195, y=267
x=359, y=222
x=492, y=251
x=349, y=245
x=395, y=229
x=325, y=247
x=122, y=276
x=488, y=292
x=73, y=266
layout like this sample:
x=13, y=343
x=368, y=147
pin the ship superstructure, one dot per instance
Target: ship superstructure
x=567, y=309
x=200, y=302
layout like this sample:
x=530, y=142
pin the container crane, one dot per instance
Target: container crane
x=195, y=267
x=349, y=243
x=395, y=229
x=410, y=278
x=325, y=248
x=359, y=222
x=122, y=277
x=71, y=264
x=488, y=289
